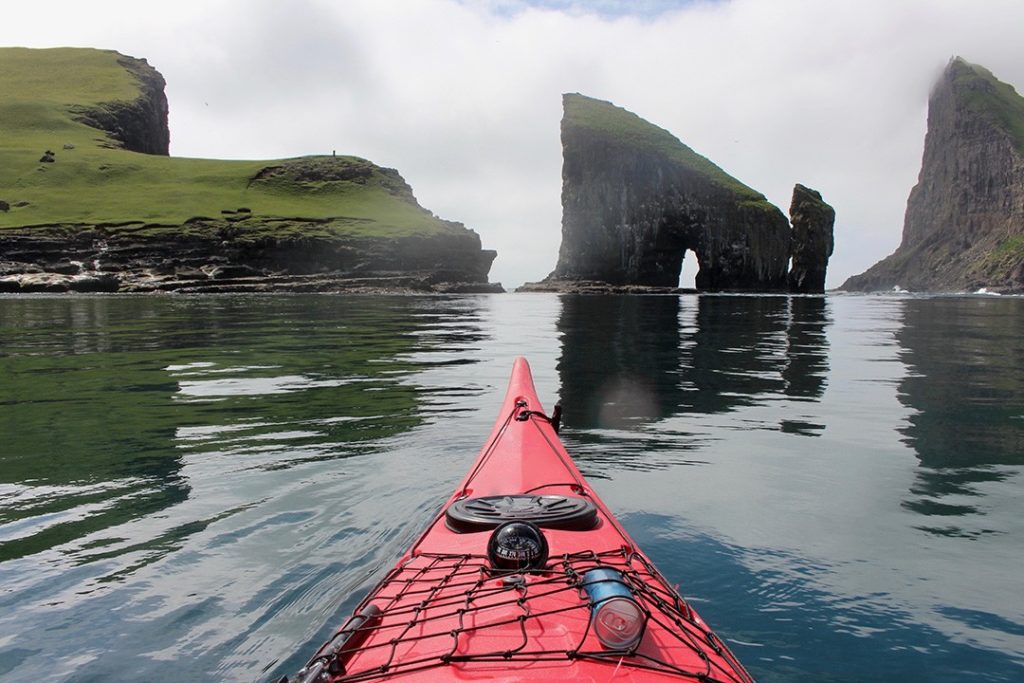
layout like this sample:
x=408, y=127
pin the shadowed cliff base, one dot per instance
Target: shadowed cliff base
x=90, y=201
x=964, y=225
x=635, y=199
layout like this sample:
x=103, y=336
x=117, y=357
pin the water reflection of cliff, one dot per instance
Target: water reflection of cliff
x=102, y=399
x=965, y=386
x=635, y=359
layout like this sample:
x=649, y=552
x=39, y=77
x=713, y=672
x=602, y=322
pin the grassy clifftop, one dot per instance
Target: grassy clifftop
x=624, y=127
x=987, y=96
x=93, y=180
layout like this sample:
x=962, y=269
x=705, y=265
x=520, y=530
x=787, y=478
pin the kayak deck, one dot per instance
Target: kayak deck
x=451, y=610
x=445, y=612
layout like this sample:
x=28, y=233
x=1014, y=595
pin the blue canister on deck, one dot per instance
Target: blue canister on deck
x=615, y=615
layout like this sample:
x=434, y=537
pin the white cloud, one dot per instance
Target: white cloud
x=464, y=97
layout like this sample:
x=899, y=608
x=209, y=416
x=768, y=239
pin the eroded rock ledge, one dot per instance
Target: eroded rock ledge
x=210, y=256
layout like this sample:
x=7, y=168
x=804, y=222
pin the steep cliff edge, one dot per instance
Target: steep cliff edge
x=635, y=199
x=81, y=210
x=139, y=124
x=964, y=224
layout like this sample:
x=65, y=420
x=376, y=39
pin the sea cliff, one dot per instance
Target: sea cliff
x=91, y=201
x=964, y=223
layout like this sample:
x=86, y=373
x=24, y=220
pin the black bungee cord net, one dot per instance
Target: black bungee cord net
x=434, y=588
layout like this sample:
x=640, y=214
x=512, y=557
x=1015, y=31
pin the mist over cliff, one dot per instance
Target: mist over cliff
x=964, y=224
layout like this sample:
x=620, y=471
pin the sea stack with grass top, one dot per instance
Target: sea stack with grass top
x=635, y=199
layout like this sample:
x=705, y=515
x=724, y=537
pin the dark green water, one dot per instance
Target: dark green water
x=201, y=488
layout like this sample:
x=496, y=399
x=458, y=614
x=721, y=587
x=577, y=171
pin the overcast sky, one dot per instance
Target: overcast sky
x=464, y=97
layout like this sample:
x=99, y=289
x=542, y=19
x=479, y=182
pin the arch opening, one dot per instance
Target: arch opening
x=689, y=270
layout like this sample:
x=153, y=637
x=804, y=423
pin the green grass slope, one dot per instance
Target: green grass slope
x=985, y=94
x=94, y=183
x=605, y=119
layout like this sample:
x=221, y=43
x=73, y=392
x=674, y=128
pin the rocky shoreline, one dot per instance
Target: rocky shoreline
x=598, y=287
x=112, y=259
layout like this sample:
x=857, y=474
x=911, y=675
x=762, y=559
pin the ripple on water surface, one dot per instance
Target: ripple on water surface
x=202, y=487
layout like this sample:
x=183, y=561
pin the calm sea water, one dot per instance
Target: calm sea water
x=202, y=488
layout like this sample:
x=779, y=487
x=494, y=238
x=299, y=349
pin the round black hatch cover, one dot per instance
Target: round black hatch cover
x=550, y=512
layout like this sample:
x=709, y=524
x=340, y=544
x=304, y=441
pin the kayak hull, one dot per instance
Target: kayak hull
x=446, y=612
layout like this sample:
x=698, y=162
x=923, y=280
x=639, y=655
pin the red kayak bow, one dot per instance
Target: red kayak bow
x=524, y=575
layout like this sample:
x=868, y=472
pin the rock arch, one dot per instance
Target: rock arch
x=635, y=199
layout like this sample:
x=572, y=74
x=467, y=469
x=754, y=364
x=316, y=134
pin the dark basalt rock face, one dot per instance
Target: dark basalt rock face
x=964, y=225
x=635, y=199
x=139, y=125
x=218, y=259
x=812, y=221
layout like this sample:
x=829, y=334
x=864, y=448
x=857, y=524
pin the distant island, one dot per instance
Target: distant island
x=90, y=201
x=635, y=199
x=964, y=225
